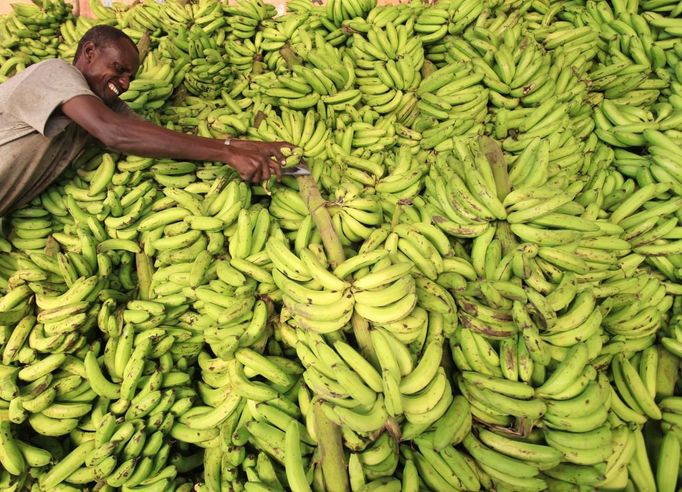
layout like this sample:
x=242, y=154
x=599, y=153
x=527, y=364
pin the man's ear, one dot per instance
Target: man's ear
x=89, y=51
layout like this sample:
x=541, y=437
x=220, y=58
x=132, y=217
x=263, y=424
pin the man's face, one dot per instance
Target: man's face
x=110, y=68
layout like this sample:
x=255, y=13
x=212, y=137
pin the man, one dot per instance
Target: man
x=49, y=111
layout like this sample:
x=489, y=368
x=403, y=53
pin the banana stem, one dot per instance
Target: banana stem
x=332, y=458
x=145, y=270
x=290, y=56
x=143, y=45
x=492, y=151
x=313, y=199
x=361, y=331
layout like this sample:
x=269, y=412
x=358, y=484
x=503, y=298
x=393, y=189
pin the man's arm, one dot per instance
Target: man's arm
x=140, y=137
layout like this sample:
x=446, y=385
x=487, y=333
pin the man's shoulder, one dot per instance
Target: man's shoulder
x=59, y=75
x=51, y=69
x=56, y=65
x=50, y=64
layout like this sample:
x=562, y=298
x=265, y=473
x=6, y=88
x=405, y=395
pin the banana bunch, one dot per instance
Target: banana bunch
x=359, y=165
x=662, y=151
x=228, y=121
x=73, y=29
x=50, y=398
x=465, y=200
x=38, y=21
x=29, y=34
x=392, y=280
x=193, y=222
x=337, y=11
x=278, y=33
x=302, y=129
x=342, y=378
x=175, y=46
x=647, y=315
x=31, y=228
x=433, y=24
x=392, y=50
x=354, y=214
x=210, y=18
x=12, y=65
x=638, y=33
x=495, y=395
x=387, y=70
x=130, y=441
x=450, y=107
x=624, y=125
x=245, y=17
x=509, y=471
x=671, y=341
x=175, y=16
x=289, y=209
x=209, y=68
x=153, y=85
x=245, y=56
x=635, y=403
x=103, y=13
x=300, y=6
x=303, y=86
x=424, y=399
x=360, y=139
x=145, y=16
x=405, y=175
x=328, y=77
x=375, y=462
x=638, y=89
x=194, y=114
x=325, y=305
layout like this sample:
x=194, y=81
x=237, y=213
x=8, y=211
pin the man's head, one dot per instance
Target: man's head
x=108, y=59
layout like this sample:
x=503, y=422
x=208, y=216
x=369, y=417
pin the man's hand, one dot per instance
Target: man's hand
x=257, y=161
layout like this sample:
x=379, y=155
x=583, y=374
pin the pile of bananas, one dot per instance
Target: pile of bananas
x=30, y=34
x=154, y=84
x=493, y=304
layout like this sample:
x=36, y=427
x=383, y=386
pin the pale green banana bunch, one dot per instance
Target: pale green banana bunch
x=30, y=34
x=464, y=204
x=145, y=17
x=209, y=70
x=288, y=207
x=336, y=12
x=354, y=215
x=153, y=85
x=303, y=129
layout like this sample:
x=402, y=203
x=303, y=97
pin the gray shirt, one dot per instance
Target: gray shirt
x=37, y=141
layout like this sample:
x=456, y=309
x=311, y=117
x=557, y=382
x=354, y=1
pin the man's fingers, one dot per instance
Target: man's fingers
x=279, y=146
x=265, y=172
x=250, y=174
x=256, y=177
x=277, y=169
x=279, y=158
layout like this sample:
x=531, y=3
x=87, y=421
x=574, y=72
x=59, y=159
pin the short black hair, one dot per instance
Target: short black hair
x=101, y=35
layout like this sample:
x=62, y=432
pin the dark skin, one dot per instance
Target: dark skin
x=109, y=69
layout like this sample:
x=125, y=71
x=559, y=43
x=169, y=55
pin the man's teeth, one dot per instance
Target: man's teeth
x=113, y=88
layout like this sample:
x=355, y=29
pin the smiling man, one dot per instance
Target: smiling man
x=50, y=111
